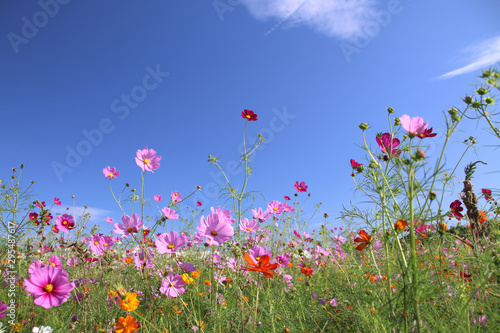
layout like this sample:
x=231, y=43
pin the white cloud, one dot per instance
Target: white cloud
x=335, y=18
x=478, y=56
x=96, y=214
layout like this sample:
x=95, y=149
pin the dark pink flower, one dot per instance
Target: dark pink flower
x=355, y=164
x=427, y=134
x=65, y=223
x=110, y=172
x=486, y=193
x=147, y=160
x=249, y=115
x=302, y=187
x=57, y=201
x=287, y=197
x=198, y=203
x=3, y=309
x=50, y=286
x=456, y=208
x=387, y=145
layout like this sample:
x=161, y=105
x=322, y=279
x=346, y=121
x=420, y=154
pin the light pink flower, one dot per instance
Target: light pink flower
x=158, y=197
x=249, y=226
x=129, y=225
x=50, y=286
x=109, y=220
x=176, y=196
x=169, y=213
x=416, y=127
x=147, y=159
x=214, y=229
x=110, y=172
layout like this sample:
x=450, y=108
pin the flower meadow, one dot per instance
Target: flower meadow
x=410, y=260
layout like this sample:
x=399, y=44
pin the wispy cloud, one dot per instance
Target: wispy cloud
x=96, y=214
x=477, y=56
x=336, y=18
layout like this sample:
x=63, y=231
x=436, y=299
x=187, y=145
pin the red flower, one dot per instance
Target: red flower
x=486, y=193
x=307, y=271
x=426, y=134
x=262, y=266
x=465, y=276
x=355, y=164
x=57, y=201
x=364, y=240
x=456, y=208
x=249, y=115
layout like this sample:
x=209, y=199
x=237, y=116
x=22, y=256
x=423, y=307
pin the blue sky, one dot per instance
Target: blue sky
x=175, y=75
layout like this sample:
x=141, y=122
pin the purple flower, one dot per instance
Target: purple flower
x=129, y=225
x=147, y=160
x=3, y=309
x=50, y=286
x=169, y=243
x=333, y=302
x=172, y=286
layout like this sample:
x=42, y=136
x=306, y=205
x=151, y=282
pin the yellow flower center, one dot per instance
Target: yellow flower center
x=129, y=229
x=54, y=264
x=48, y=288
x=146, y=160
x=214, y=233
x=249, y=229
x=258, y=258
x=105, y=244
x=171, y=246
x=110, y=175
x=96, y=243
x=64, y=222
x=248, y=116
x=275, y=208
x=300, y=188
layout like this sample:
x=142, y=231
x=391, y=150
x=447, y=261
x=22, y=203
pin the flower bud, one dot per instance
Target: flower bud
x=443, y=226
x=22, y=166
x=325, y=215
x=363, y=126
x=390, y=110
x=489, y=100
x=361, y=168
x=198, y=187
x=420, y=155
x=453, y=111
x=468, y=99
x=482, y=91
x=486, y=74
x=432, y=195
x=397, y=122
x=455, y=118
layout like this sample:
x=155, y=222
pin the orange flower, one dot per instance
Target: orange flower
x=483, y=218
x=126, y=325
x=364, y=240
x=128, y=260
x=443, y=226
x=468, y=226
x=307, y=271
x=262, y=266
x=400, y=225
x=196, y=274
x=130, y=303
x=207, y=282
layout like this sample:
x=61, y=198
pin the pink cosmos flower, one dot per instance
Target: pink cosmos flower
x=249, y=226
x=224, y=214
x=55, y=262
x=50, y=286
x=169, y=243
x=275, y=207
x=109, y=220
x=260, y=215
x=187, y=267
x=416, y=127
x=287, y=208
x=215, y=229
x=158, y=197
x=147, y=159
x=110, y=172
x=176, y=196
x=387, y=145
x=57, y=201
x=173, y=286
x=65, y=223
x=129, y=225
x=355, y=164
x=3, y=309
x=257, y=251
x=486, y=193
x=169, y=213
x=36, y=265
x=144, y=259
x=302, y=187
x=198, y=203
x=282, y=260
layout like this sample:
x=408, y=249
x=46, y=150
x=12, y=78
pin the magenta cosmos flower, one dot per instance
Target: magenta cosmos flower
x=158, y=197
x=416, y=127
x=169, y=243
x=129, y=225
x=147, y=160
x=215, y=230
x=249, y=115
x=302, y=187
x=456, y=208
x=275, y=207
x=110, y=172
x=387, y=145
x=65, y=223
x=50, y=286
x=173, y=286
